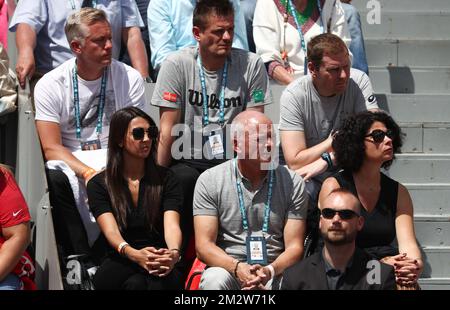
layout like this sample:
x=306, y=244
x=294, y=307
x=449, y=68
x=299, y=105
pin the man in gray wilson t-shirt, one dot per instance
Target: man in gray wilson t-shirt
x=314, y=105
x=199, y=91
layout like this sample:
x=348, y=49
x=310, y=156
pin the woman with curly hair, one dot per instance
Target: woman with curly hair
x=364, y=144
x=137, y=205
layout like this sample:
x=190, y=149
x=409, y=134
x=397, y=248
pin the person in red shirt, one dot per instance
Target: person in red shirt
x=14, y=234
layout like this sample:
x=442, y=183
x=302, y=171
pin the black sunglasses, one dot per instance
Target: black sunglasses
x=378, y=135
x=343, y=214
x=138, y=132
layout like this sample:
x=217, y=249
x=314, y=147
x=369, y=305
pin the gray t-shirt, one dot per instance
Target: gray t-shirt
x=217, y=196
x=179, y=87
x=303, y=109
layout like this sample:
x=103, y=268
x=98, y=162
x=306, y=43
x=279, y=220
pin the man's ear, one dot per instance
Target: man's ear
x=196, y=32
x=312, y=68
x=236, y=146
x=75, y=46
x=360, y=223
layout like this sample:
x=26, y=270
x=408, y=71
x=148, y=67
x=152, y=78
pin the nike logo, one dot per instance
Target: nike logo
x=16, y=213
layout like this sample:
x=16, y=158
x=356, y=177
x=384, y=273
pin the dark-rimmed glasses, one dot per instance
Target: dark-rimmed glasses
x=343, y=214
x=378, y=135
x=138, y=132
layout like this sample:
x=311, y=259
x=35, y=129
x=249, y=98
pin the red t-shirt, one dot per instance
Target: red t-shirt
x=13, y=207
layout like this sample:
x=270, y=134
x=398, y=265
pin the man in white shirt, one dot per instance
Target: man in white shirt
x=74, y=105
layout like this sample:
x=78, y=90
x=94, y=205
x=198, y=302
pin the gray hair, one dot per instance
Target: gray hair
x=77, y=23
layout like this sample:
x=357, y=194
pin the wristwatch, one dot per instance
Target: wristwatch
x=148, y=79
x=326, y=156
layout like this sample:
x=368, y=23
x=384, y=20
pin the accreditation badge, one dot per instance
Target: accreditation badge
x=91, y=145
x=256, y=250
x=213, y=145
x=215, y=142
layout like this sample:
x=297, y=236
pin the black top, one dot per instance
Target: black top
x=378, y=232
x=311, y=274
x=137, y=234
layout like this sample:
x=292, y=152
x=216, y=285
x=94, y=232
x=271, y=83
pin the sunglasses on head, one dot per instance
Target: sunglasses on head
x=139, y=132
x=343, y=214
x=378, y=135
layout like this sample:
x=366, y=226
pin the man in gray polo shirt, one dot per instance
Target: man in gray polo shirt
x=314, y=105
x=249, y=222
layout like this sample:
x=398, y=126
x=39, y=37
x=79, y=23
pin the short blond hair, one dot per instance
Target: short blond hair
x=77, y=23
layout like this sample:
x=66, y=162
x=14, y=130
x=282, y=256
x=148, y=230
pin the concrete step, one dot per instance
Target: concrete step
x=413, y=140
x=421, y=168
x=381, y=52
x=408, y=25
x=437, y=262
x=405, y=5
x=436, y=138
x=435, y=284
x=430, y=199
x=406, y=80
x=415, y=108
x=432, y=231
x=429, y=138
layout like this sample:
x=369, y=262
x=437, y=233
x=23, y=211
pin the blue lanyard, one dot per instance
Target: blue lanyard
x=205, y=96
x=76, y=102
x=265, y=228
x=299, y=29
x=94, y=4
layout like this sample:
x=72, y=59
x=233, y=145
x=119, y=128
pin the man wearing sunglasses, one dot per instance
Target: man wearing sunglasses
x=74, y=105
x=339, y=265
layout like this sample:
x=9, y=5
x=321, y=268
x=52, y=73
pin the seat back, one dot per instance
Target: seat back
x=194, y=276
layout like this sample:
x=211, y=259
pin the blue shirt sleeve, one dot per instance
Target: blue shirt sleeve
x=31, y=12
x=130, y=14
x=240, y=30
x=161, y=31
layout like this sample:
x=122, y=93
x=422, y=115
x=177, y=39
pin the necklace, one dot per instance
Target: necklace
x=133, y=183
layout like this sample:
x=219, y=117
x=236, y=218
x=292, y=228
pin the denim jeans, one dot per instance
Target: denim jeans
x=11, y=283
x=357, y=45
x=248, y=9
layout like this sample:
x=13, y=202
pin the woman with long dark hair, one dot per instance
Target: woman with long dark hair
x=364, y=144
x=136, y=204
